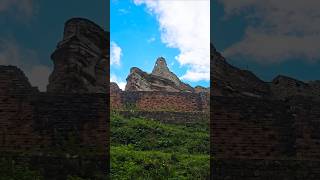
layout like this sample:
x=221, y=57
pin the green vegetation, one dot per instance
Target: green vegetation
x=9, y=170
x=147, y=149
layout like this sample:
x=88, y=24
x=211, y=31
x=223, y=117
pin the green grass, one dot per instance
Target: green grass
x=147, y=149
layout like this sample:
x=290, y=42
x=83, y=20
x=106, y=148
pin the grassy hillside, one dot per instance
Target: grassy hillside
x=147, y=149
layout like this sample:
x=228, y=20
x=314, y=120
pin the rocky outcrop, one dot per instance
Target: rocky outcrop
x=14, y=81
x=283, y=87
x=231, y=81
x=200, y=89
x=228, y=80
x=34, y=125
x=161, y=69
x=81, y=59
x=114, y=87
x=161, y=79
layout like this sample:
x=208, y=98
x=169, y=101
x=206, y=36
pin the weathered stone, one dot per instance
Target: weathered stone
x=200, y=89
x=161, y=79
x=283, y=87
x=114, y=87
x=161, y=69
x=38, y=123
x=228, y=80
x=262, y=130
x=81, y=59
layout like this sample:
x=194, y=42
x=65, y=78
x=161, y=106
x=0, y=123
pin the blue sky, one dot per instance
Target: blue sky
x=31, y=29
x=137, y=39
x=269, y=37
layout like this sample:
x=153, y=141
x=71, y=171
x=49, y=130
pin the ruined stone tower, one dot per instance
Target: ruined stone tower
x=80, y=60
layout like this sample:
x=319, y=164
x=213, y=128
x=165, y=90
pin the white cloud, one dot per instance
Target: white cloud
x=185, y=25
x=276, y=30
x=115, y=54
x=121, y=84
x=22, y=8
x=26, y=59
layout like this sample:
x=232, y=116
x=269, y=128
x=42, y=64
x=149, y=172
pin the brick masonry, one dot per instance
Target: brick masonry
x=279, y=137
x=159, y=101
x=168, y=107
x=32, y=121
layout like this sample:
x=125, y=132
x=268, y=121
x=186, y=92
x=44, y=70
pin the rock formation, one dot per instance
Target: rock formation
x=228, y=80
x=161, y=79
x=256, y=126
x=80, y=60
x=231, y=81
x=283, y=87
x=33, y=124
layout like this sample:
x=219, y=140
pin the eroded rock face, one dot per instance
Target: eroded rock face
x=200, y=89
x=283, y=87
x=14, y=81
x=114, y=87
x=81, y=59
x=161, y=79
x=228, y=80
x=161, y=69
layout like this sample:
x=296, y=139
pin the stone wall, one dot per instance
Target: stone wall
x=252, y=134
x=34, y=122
x=159, y=101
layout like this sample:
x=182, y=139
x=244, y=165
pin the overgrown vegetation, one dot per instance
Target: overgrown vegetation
x=147, y=149
x=14, y=165
x=10, y=170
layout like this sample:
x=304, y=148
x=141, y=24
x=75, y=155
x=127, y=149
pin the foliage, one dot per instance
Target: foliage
x=145, y=134
x=9, y=170
x=147, y=149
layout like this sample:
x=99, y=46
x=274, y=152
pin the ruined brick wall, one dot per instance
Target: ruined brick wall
x=159, y=101
x=266, y=136
x=84, y=115
x=16, y=112
x=32, y=122
x=252, y=128
x=307, y=124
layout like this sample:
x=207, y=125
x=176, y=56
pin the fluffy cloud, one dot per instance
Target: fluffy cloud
x=121, y=84
x=185, y=25
x=23, y=8
x=276, y=30
x=12, y=54
x=115, y=54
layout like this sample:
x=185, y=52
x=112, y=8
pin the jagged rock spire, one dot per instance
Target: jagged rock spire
x=161, y=69
x=81, y=59
x=161, y=79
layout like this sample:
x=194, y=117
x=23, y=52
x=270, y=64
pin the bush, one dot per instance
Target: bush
x=147, y=149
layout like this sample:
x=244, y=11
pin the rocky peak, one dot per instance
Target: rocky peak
x=228, y=80
x=231, y=81
x=200, y=89
x=81, y=59
x=161, y=69
x=161, y=79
